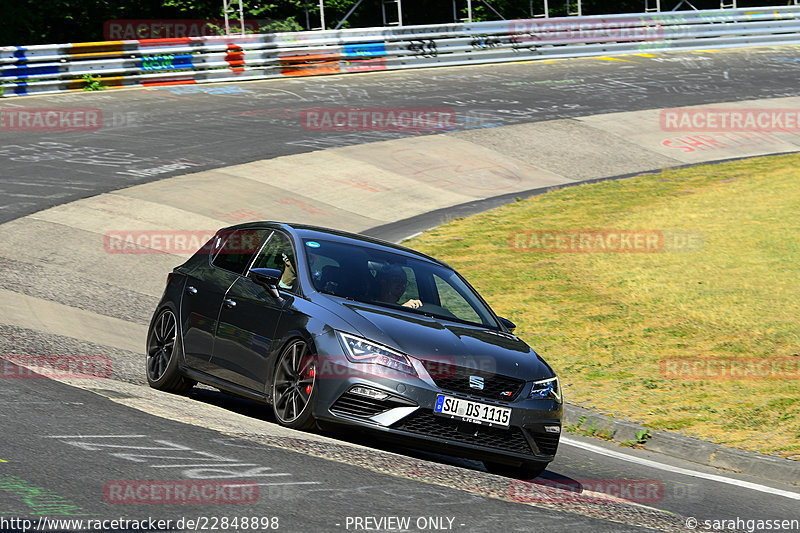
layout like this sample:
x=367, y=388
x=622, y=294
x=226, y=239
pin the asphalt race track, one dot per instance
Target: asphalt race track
x=65, y=447
x=200, y=127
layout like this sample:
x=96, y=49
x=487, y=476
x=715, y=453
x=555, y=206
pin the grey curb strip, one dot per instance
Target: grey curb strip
x=688, y=448
x=671, y=444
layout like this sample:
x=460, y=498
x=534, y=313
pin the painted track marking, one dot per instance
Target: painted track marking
x=678, y=470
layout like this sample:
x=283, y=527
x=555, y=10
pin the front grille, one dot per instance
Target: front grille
x=363, y=407
x=546, y=442
x=457, y=379
x=511, y=440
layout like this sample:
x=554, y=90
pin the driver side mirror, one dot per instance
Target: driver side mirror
x=267, y=278
x=508, y=324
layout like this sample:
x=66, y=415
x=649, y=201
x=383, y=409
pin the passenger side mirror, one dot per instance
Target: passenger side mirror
x=508, y=324
x=267, y=278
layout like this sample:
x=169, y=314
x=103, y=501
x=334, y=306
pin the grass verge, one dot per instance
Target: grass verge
x=723, y=287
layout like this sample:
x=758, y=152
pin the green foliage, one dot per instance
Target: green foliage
x=641, y=438
x=591, y=431
x=92, y=84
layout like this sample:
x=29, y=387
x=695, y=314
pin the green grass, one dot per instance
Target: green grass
x=605, y=321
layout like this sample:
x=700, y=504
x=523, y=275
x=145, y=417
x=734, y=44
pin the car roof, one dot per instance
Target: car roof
x=305, y=231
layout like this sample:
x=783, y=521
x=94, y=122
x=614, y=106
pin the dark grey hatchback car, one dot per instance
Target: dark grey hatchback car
x=333, y=328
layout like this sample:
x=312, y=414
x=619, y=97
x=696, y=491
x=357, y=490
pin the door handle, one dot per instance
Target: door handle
x=230, y=304
x=191, y=290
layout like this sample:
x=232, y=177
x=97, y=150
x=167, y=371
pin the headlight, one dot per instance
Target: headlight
x=360, y=350
x=546, y=388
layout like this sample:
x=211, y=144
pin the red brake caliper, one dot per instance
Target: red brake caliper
x=309, y=386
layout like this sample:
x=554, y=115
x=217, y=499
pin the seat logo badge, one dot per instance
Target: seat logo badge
x=476, y=382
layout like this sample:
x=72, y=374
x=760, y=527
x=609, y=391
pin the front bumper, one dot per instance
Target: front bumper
x=406, y=414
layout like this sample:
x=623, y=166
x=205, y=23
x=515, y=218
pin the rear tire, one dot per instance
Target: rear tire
x=294, y=386
x=162, y=355
x=524, y=471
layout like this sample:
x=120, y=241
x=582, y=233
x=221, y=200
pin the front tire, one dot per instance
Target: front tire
x=294, y=385
x=162, y=355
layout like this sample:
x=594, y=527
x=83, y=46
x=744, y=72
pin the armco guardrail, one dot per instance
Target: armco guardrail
x=149, y=62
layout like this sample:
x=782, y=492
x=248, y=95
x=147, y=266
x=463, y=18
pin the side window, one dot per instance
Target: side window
x=453, y=302
x=234, y=249
x=278, y=254
x=412, y=290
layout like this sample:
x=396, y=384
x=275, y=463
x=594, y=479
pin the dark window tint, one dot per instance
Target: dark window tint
x=234, y=249
x=383, y=277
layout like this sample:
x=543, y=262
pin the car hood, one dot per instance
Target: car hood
x=442, y=341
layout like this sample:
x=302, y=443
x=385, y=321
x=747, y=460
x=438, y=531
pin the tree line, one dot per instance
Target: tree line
x=28, y=22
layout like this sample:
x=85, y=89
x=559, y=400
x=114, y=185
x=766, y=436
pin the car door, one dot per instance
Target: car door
x=250, y=316
x=206, y=287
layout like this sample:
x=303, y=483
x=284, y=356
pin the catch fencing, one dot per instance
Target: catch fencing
x=171, y=61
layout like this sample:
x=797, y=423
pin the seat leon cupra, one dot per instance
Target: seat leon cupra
x=332, y=328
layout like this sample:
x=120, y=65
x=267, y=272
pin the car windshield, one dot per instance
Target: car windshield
x=393, y=280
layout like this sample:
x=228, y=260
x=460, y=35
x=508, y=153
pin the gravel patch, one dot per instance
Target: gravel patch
x=125, y=366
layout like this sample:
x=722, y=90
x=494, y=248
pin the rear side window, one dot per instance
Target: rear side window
x=234, y=249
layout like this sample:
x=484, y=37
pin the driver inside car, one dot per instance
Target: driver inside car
x=289, y=273
x=392, y=285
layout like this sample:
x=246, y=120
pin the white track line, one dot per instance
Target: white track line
x=678, y=470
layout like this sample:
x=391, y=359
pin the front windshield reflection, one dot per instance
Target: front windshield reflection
x=393, y=280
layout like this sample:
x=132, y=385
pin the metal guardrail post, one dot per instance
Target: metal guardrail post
x=723, y=5
x=399, y=21
x=54, y=68
x=648, y=9
x=469, y=12
x=684, y=2
x=496, y=12
x=577, y=13
x=228, y=8
x=344, y=19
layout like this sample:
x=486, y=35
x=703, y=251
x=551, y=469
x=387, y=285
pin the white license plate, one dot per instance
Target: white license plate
x=476, y=412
